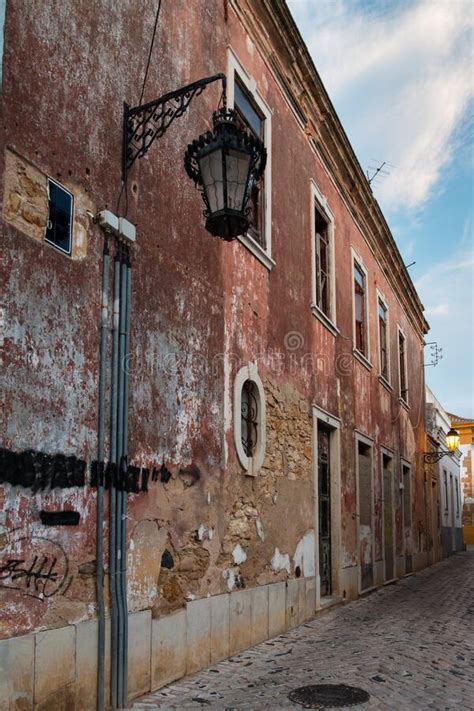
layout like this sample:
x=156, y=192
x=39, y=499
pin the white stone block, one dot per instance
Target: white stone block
x=295, y=602
x=198, y=624
x=55, y=668
x=400, y=564
x=350, y=583
x=379, y=572
x=220, y=621
x=139, y=653
x=240, y=635
x=86, y=664
x=16, y=673
x=168, y=649
x=310, y=598
x=276, y=609
x=259, y=614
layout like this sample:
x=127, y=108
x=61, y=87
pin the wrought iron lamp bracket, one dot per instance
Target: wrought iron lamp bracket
x=433, y=457
x=143, y=124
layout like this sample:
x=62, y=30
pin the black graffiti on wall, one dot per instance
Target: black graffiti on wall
x=35, y=565
x=129, y=478
x=124, y=477
x=60, y=518
x=132, y=479
x=38, y=471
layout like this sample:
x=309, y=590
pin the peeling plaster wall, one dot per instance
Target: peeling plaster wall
x=200, y=310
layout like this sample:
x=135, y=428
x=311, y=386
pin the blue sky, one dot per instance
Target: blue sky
x=399, y=73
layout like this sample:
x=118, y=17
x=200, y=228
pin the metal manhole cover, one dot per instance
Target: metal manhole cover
x=325, y=696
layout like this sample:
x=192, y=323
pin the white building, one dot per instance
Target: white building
x=438, y=424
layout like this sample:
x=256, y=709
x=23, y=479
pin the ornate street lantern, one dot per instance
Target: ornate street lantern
x=452, y=439
x=225, y=164
x=452, y=442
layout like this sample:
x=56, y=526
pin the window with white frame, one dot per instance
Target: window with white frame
x=384, y=339
x=360, y=309
x=249, y=419
x=402, y=366
x=254, y=115
x=322, y=229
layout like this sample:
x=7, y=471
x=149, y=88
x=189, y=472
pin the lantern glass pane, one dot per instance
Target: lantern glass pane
x=211, y=173
x=452, y=440
x=237, y=165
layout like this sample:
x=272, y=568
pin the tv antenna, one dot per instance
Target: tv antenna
x=377, y=170
x=436, y=354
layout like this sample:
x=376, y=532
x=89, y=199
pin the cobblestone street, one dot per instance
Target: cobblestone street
x=410, y=645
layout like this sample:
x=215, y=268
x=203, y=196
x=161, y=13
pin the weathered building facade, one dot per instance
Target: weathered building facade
x=465, y=427
x=306, y=332
x=446, y=483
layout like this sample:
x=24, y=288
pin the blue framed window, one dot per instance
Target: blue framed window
x=60, y=219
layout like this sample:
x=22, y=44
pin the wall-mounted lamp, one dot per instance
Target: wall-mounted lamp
x=452, y=442
x=224, y=163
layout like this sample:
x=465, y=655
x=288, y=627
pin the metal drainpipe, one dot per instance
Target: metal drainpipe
x=128, y=277
x=100, y=478
x=120, y=489
x=113, y=491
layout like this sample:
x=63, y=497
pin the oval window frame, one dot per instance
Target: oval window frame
x=252, y=464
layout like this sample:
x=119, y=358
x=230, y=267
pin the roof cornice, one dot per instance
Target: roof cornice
x=272, y=28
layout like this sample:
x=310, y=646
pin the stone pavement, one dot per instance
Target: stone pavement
x=410, y=645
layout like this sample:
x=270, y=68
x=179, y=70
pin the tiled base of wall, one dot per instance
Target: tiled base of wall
x=350, y=583
x=55, y=670
x=379, y=573
x=420, y=561
x=400, y=566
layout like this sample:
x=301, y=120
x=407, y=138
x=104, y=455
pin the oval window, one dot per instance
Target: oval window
x=249, y=412
x=249, y=418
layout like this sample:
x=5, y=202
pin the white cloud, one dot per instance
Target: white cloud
x=403, y=73
x=438, y=310
x=447, y=273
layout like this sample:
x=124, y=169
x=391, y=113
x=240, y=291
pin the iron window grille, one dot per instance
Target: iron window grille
x=402, y=366
x=249, y=413
x=360, y=310
x=60, y=217
x=384, y=371
x=322, y=265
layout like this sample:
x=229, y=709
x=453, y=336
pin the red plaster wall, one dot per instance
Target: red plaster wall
x=68, y=67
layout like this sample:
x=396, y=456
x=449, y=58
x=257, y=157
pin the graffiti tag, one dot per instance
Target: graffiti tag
x=34, y=565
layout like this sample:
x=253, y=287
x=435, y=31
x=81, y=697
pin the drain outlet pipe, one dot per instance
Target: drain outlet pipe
x=100, y=478
x=114, y=480
x=118, y=485
x=127, y=275
x=119, y=521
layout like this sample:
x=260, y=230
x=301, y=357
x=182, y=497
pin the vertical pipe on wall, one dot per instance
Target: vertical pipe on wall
x=128, y=277
x=100, y=478
x=113, y=481
x=120, y=521
x=118, y=486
